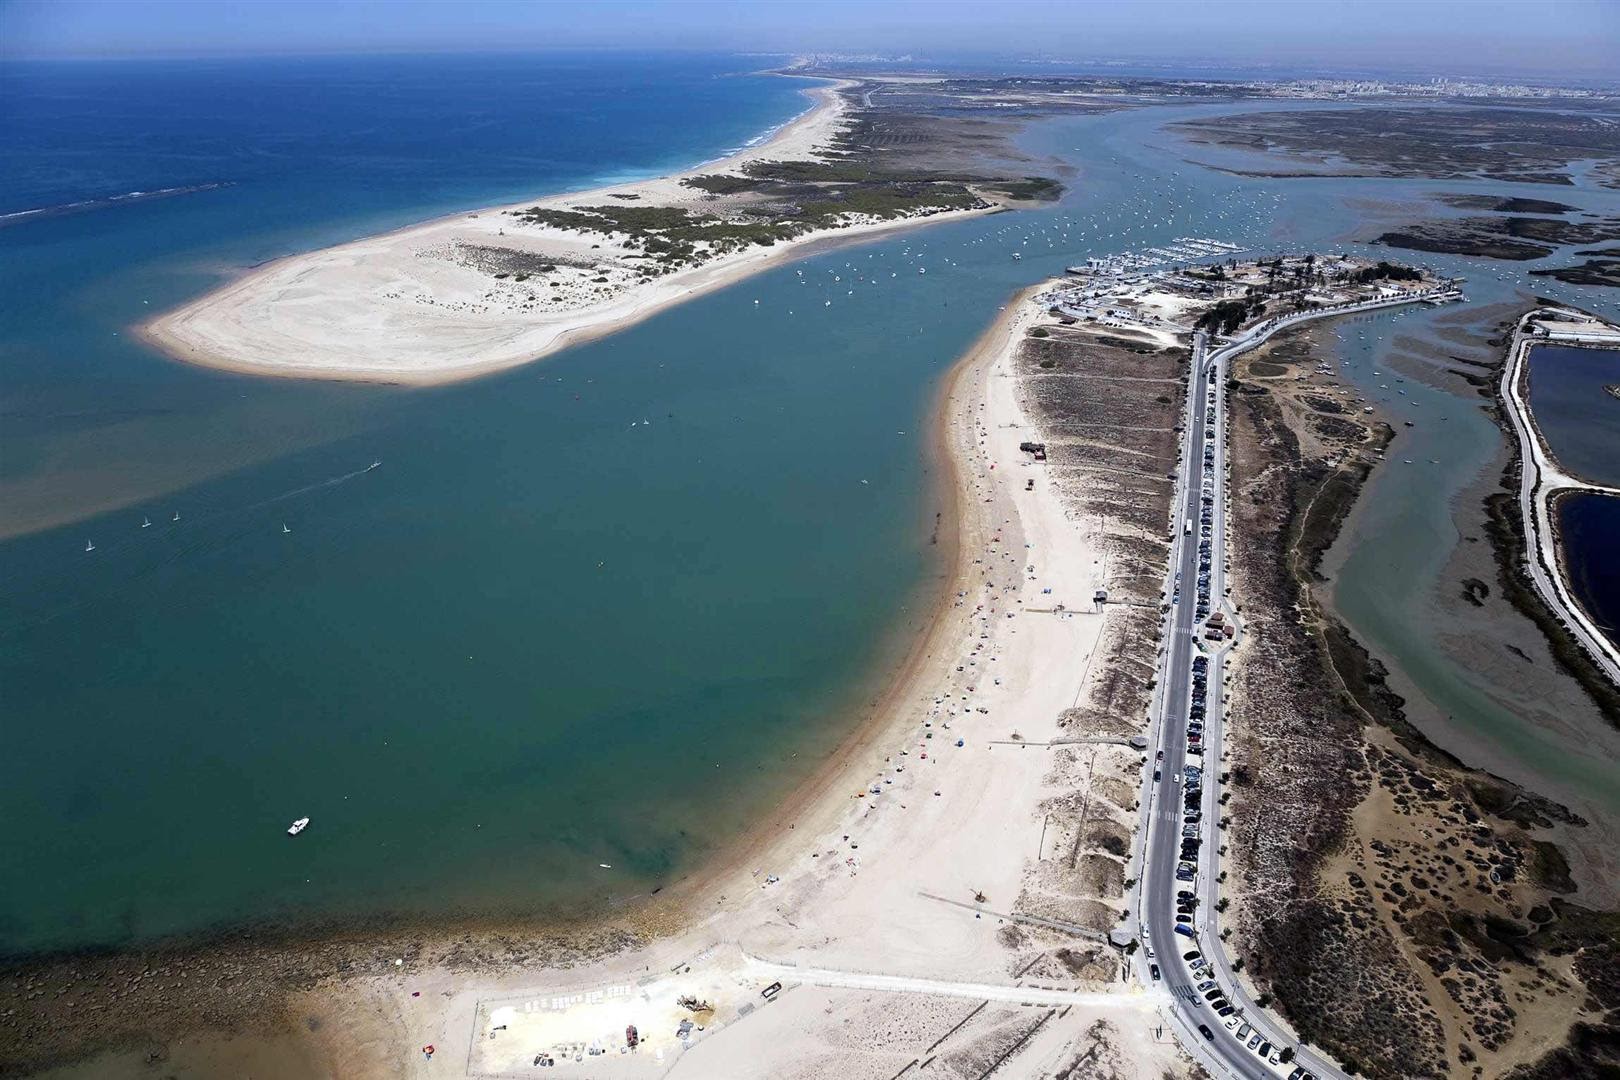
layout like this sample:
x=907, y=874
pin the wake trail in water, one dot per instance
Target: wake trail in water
x=307, y=488
x=205, y=535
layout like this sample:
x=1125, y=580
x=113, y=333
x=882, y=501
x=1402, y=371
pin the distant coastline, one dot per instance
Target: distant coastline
x=396, y=308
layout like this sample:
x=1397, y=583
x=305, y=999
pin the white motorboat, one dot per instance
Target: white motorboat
x=298, y=826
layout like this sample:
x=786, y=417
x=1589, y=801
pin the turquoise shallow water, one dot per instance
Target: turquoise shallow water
x=603, y=609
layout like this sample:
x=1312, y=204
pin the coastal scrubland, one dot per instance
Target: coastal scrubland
x=1407, y=913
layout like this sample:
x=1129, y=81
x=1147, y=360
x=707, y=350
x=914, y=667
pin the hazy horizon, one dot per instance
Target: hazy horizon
x=1555, y=40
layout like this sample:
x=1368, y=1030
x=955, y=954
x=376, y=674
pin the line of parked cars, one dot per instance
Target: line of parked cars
x=1191, y=835
x=1201, y=973
x=1205, y=986
x=1206, y=503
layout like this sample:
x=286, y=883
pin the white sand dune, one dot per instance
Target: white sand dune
x=409, y=307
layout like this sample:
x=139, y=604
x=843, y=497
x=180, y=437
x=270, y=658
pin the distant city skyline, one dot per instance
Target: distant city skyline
x=1556, y=40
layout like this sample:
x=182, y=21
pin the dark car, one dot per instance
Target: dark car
x=1203, y=1029
x=1153, y=970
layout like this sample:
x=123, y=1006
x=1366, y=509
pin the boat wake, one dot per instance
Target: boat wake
x=320, y=486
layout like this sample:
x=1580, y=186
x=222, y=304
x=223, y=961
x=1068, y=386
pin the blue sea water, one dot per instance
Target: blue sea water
x=536, y=638
x=530, y=642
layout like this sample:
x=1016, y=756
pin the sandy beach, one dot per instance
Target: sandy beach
x=941, y=888
x=905, y=888
x=428, y=304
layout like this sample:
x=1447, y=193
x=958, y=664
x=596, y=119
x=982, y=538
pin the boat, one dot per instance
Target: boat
x=177, y=515
x=373, y=465
x=89, y=545
x=298, y=826
x=284, y=527
x=146, y=522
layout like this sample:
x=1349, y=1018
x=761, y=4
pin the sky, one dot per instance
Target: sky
x=1544, y=39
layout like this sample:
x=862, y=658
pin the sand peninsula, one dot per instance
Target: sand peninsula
x=493, y=288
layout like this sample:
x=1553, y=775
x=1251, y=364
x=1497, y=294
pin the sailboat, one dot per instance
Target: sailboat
x=177, y=515
x=284, y=527
x=89, y=545
x=146, y=522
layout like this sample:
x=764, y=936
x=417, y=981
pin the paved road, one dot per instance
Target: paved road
x=1160, y=850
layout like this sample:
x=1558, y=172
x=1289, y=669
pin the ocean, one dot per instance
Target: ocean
x=604, y=609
